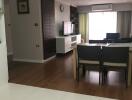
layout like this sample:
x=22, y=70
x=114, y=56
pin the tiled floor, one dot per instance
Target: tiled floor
x=23, y=92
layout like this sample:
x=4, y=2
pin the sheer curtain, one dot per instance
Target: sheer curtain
x=83, y=26
x=124, y=23
x=101, y=23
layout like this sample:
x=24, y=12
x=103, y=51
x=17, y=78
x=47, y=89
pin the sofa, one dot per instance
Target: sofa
x=112, y=38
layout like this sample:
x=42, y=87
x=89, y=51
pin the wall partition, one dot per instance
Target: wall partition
x=3, y=49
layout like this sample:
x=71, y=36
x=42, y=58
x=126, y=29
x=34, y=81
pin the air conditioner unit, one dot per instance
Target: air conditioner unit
x=102, y=7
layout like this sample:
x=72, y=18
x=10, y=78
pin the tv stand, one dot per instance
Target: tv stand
x=65, y=44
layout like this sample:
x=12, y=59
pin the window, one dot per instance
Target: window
x=101, y=23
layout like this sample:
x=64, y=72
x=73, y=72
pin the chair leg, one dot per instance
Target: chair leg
x=104, y=76
x=103, y=79
x=77, y=73
x=100, y=77
x=84, y=71
x=126, y=77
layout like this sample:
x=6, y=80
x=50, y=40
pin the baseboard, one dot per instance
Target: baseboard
x=34, y=61
x=50, y=58
x=28, y=60
x=9, y=53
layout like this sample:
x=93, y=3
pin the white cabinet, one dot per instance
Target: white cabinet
x=65, y=44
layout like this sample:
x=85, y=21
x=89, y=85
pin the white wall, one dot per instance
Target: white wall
x=25, y=35
x=3, y=51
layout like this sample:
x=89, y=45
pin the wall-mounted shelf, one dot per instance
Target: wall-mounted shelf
x=74, y=18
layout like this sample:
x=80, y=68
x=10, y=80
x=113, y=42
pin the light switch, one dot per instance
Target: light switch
x=36, y=24
x=37, y=45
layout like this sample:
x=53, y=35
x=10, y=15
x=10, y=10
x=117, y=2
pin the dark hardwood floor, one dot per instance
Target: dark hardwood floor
x=57, y=74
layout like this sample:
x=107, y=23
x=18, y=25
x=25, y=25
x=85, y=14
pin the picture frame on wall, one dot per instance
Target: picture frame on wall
x=23, y=6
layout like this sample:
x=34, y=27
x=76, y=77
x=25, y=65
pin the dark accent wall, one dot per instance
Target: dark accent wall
x=61, y=16
x=74, y=18
x=48, y=28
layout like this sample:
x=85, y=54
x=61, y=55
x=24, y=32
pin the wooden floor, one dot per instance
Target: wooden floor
x=57, y=74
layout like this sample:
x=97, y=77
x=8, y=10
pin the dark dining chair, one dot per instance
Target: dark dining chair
x=88, y=59
x=115, y=59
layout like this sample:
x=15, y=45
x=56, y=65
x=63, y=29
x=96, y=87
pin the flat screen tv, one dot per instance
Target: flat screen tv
x=67, y=28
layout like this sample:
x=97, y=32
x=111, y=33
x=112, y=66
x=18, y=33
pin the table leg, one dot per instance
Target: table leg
x=74, y=63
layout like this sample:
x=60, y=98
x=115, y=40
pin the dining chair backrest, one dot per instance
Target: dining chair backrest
x=115, y=54
x=88, y=52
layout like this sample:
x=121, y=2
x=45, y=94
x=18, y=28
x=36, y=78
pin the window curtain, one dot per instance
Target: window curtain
x=83, y=26
x=124, y=23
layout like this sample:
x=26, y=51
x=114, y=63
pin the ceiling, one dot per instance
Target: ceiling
x=90, y=2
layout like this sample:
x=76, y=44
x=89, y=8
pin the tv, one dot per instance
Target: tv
x=67, y=28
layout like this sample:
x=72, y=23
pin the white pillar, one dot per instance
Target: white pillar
x=3, y=48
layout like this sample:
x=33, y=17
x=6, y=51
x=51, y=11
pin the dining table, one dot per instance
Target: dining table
x=74, y=56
